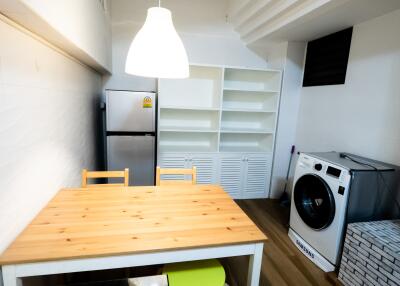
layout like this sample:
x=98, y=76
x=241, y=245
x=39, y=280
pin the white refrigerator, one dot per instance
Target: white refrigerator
x=131, y=134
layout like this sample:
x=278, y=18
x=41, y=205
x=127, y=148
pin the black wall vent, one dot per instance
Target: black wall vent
x=326, y=59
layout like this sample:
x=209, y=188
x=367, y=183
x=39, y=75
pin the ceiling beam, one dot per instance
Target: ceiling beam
x=235, y=6
x=286, y=18
x=266, y=15
x=248, y=11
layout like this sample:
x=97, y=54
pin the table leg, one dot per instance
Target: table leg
x=8, y=277
x=253, y=277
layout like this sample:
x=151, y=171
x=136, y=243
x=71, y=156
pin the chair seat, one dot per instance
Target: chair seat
x=195, y=273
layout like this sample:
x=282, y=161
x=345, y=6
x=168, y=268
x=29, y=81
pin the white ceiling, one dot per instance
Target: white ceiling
x=206, y=17
x=262, y=22
x=258, y=22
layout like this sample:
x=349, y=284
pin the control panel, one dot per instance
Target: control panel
x=333, y=172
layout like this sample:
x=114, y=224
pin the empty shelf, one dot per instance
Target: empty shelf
x=190, y=108
x=188, y=141
x=236, y=142
x=233, y=130
x=248, y=110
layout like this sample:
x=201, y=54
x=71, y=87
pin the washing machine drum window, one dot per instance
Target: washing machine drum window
x=314, y=201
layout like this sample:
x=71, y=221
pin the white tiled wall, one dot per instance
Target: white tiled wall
x=47, y=123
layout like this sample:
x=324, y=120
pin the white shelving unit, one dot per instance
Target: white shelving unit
x=223, y=121
x=246, y=142
x=189, y=120
x=202, y=90
x=248, y=121
x=188, y=141
x=250, y=100
x=189, y=111
x=252, y=80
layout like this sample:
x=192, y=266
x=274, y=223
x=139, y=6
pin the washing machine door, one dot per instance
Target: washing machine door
x=314, y=201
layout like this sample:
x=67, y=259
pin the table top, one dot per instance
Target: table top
x=83, y=223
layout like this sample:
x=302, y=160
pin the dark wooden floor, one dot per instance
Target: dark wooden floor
x=283, y=264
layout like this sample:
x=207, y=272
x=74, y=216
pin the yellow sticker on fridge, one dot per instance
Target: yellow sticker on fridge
x=147, y=102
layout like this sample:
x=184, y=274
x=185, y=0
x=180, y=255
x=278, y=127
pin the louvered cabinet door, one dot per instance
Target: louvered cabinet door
x=206, y=165
x=173, y=160
x=231, y=174
x=257, y=176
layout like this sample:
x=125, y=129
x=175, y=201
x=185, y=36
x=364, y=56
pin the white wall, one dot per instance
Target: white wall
x=202, y=25
x=363, y=115
x=47, y=123
x=81, y=28
x=290, y=58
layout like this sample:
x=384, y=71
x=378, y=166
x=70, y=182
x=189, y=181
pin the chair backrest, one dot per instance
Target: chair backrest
x=105, y=174
x=168, y=171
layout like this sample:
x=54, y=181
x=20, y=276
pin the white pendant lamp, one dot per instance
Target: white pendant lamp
x=157, y=50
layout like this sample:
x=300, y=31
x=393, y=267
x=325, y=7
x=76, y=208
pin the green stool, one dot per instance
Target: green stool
x=195, y=273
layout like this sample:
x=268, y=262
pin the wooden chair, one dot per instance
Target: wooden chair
x=160, y=172
x=105, y=174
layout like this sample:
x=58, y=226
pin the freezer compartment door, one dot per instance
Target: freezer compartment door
x=133, y=152
x=130, y=111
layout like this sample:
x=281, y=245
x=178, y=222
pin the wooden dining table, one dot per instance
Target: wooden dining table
x=85, y=229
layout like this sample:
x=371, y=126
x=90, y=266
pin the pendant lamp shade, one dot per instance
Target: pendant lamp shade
x=157, y=50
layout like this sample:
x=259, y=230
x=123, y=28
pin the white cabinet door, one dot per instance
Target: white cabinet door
x=206, y=167
x=231, y=169
x=173, y=160
x=257, y=176
x=242, y=175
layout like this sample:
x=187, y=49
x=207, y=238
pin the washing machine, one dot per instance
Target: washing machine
x=332, y=189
